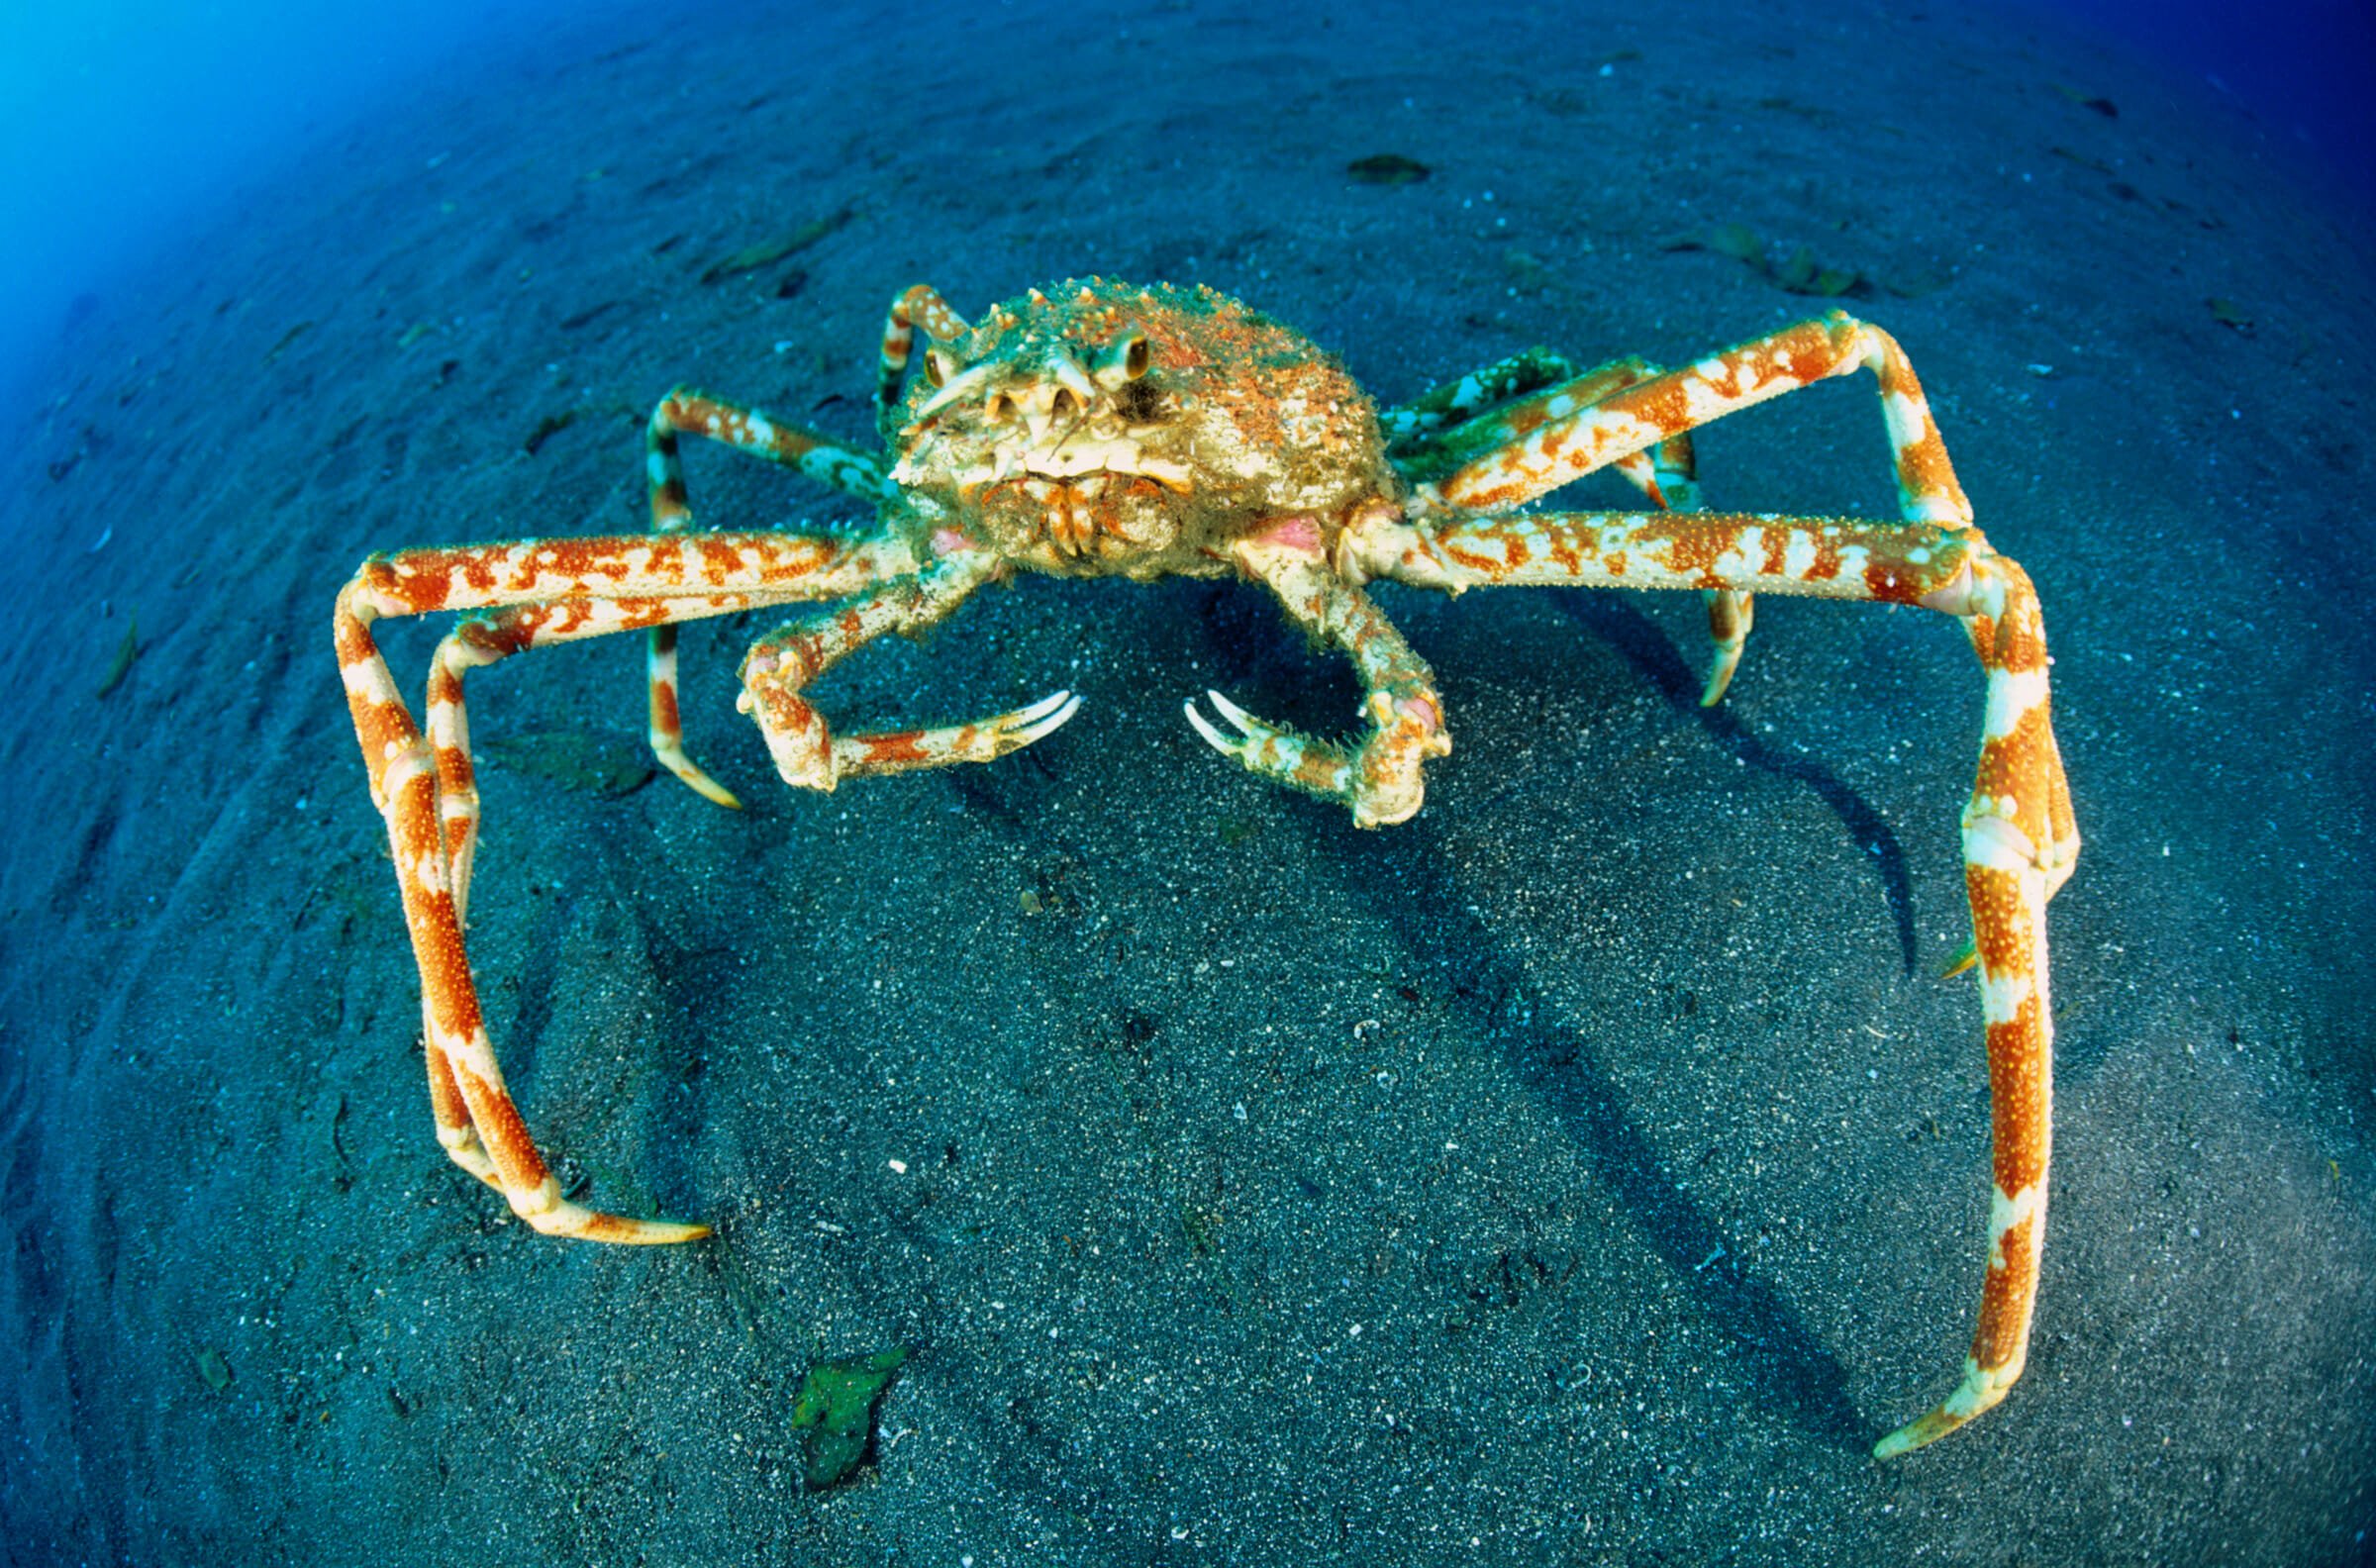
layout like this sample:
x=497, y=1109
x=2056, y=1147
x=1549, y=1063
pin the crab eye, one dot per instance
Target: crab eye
x=1000, y=407
x=938, y=367
x=1063, y=405
x=1124, y=360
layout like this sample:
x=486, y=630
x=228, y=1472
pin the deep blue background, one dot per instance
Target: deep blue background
x=123, y=122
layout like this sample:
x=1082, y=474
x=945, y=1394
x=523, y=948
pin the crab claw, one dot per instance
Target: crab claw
x=983, y=740
x=1274, y=751
x=1378, y=779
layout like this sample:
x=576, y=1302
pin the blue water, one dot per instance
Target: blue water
x=125, y=121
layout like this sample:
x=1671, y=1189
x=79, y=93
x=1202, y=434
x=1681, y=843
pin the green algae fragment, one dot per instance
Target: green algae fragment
x=2228, y=314
x=213, y=1368
x=1387, y=168
x=1236, y=830
x=121, y=665
x=1801, y=274
x=1737, y=240
x=834, y=1413
x=751, y=257
x=603, y=766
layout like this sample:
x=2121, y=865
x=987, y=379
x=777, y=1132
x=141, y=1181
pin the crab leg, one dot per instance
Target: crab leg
x=484, y=640
x=1480, y=389
x=1666, y=473
x=919, y=306
x=2018, y=839
x=806, y=750
x=1564, y=433
x=1380, y=778
x=686, y=412
x=619, y=582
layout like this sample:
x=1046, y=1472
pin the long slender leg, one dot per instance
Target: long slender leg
x=1497, y=407
x=1561, y=435
x=477, y=1121
x=1380, y=777
x=2019, y=838
x=484, y=640
x=686, y=412
x=1667, y=472
x=1613, y=415
x=806, y=750
x=920, y=306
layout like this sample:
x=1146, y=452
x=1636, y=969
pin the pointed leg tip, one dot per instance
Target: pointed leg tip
x=594, y=1226
x=1917, y=1434
x=1980, y=1392
x=698, y=781
x=1043, y=718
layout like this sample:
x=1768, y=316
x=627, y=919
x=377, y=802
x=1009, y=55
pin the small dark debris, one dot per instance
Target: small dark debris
x=2103, y=106
x=286, y=338
x=582, y=318
x=549, y=426
x=1387, y=168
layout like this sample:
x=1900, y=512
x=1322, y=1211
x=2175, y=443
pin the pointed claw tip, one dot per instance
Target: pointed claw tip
x=1205, y=727
x=1230, y=709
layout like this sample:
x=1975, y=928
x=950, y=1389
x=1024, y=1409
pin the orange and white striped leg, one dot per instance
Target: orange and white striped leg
x=1666, y=472
x=919, y=306
x=1380, y=778
x=2018, y=839
x=485, y=639
x=2018, y=844
x=619, y=581
x=686, y=412
x=1576, y=435
x=809, y=754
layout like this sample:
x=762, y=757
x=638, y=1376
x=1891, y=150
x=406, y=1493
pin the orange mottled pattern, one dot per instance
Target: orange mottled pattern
x=1104, y=429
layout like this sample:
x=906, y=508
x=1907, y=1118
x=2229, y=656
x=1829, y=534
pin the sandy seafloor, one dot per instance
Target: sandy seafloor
x=1586, y=1171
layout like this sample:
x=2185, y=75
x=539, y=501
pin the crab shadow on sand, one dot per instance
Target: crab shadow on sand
x=1555, y=1057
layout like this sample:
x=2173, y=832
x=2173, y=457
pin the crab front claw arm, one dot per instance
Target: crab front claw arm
x=809, y=756
x=1379, y=778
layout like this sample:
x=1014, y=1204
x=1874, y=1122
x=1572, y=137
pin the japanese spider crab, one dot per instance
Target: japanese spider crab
x=1102, y=428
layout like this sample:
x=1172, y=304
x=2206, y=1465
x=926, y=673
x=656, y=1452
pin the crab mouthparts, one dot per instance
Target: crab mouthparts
x=1083, y=461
